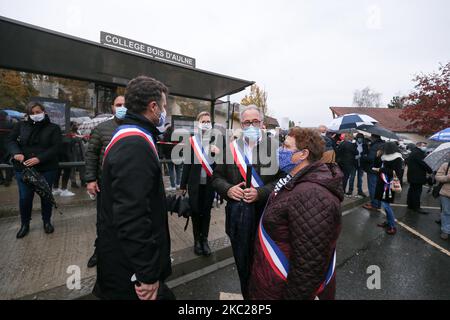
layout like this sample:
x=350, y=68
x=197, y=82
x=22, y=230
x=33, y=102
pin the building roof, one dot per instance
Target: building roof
x=33, y=49
x=387, y=118
x=272, y=122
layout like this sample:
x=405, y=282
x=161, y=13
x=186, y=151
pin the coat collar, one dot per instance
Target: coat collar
x=141, y=121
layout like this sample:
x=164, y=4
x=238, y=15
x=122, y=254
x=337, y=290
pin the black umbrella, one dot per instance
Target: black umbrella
x=36, y=181
x=383, y=132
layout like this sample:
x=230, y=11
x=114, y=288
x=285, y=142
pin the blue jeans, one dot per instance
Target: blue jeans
x=26, y=196
x=174, y=174
x=389, y=214
x=445, y=215
x=372, y=184
x=360, y=173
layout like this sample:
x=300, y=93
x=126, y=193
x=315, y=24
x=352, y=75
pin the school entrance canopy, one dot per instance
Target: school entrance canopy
x=32, y=49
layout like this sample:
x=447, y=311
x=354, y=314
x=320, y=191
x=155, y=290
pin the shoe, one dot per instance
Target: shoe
x=383, y=225
x=362, y=194
x=171, y=189
x=178, y=187
x=358, y=196
x=24, y=229
x=198, y=250
x=422, y=212
x=348, y=194
x=391, y=231
x=56, y=192
x=368, y=206
x=92, y=260
x=66, y=193
x=444, y=236
x=438, y=221
x=206, y=248
x=48, y=228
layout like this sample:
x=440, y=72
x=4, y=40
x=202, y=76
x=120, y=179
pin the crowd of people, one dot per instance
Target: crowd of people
x=283, y=224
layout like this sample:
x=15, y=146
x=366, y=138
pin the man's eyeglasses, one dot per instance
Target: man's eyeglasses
x=255, y=123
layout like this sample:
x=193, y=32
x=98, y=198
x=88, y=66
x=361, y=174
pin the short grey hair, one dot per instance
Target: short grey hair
x=248, y=108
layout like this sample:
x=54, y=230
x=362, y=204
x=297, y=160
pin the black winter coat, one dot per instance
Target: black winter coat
x=345, y=155
x=417, y=168
x=133, y=230
x=190, y=180
x=370, y=158
x=36, y=139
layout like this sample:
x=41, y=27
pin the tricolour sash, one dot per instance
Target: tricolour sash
x=204, y=159
x=280, y=264
x=128, y=131
x=241, y=161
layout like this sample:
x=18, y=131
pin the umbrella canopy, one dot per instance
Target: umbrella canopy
x=438, y=156
x=87, y=126
x=442, y=136
x=15, y=114
x=350, y=121
x=374, y=129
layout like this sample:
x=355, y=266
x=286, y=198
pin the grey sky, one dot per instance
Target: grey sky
x=308, y=55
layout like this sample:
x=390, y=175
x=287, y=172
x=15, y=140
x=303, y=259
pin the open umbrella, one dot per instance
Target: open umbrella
x=382, y=132
x=350, y=121
x=15, y=114
x=442, y=136
x=438, y=156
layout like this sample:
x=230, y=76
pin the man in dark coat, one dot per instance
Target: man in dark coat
x=417, y=176
x=372, y=176
x=133, y=245
x=100, y=138
x=245, y=205
x=345, y=157
x=358, y=172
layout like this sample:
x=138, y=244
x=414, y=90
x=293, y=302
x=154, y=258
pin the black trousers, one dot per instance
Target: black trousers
x=99, y=205
x=414, y=194
x=202, y=218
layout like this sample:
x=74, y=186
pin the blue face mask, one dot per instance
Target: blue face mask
x=285, y=160
x=162, y=118
x=252, y=133
x=121, y=112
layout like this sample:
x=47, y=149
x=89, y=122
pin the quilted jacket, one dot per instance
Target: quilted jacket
x=304, y=220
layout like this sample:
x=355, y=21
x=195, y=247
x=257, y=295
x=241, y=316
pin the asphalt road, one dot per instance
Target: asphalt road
x=413, y=264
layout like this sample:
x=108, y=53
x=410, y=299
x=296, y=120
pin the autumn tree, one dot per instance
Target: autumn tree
x=428, y=106
x=257, y=97
x=367, y=98
x=16, y=88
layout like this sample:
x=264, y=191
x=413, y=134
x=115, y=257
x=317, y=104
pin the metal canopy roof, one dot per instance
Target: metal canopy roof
x=32, y=49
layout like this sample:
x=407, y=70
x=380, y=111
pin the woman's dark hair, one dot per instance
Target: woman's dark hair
x=141, y=91
x=390, y=148
x=308, y=139
x=31, y=105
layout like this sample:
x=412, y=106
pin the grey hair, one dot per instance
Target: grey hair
x=248, y=108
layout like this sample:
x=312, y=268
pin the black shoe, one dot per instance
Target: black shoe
x=206, y=248
x=92, y=260
x=24, y=229
x=48, y=228
x=198, y=250
x=422, y=212
x=362, y=194
x=438, y=221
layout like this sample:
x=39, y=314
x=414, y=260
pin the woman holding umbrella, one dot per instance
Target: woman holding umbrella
x=34, y=143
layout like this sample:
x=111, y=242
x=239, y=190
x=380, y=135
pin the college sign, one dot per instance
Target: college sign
x=148, y=50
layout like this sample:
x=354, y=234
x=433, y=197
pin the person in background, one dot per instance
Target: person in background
x=6, y=127
x=417, y=176
x=175, y=170
x=35, y=143
x=197, y=179
x=358, y=172
x=372, y=176
x=389, y=161
x=100, y=138
x=443, y=177
x=345, y=157
x=300, y=225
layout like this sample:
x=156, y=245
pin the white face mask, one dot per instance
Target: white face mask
x=205, y=126
x=37, y=117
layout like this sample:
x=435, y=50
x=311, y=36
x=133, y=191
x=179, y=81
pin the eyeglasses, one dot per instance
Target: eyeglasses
x=255, y=123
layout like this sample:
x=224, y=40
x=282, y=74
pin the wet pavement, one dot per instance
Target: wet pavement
x=413, y=264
